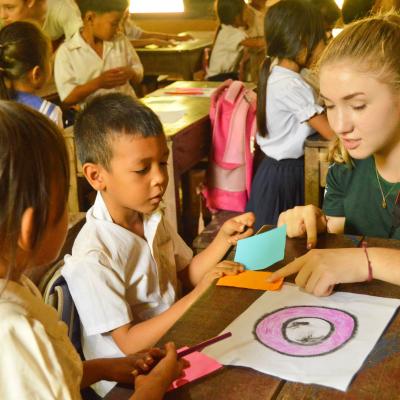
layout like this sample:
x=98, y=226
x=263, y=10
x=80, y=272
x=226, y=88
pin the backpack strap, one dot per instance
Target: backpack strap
x=214, y=98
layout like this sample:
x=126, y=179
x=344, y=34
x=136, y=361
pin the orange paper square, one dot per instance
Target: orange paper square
x=251, y=280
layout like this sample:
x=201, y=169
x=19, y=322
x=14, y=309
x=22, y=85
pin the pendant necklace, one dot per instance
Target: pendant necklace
x=384, y=196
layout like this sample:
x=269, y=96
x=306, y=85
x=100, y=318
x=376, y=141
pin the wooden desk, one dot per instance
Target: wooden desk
x=377, y=379
x=189, y=138
x=315, y=168
x=184, y=58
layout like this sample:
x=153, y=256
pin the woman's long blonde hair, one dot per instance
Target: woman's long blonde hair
x=373, y=45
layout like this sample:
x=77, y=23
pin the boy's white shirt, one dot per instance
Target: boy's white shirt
x=226, y=51
x=131, y=30
x=116, y=277
x=38, y=361
x=62, y=18
x=76, y=63
x=291, y=102
x=257, y=24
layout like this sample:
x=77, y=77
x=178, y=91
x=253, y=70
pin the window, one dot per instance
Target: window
x=156, y=6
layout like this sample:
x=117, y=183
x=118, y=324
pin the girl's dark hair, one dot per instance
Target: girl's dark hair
x=33, y=161
x=290, y=26
x=23, y=46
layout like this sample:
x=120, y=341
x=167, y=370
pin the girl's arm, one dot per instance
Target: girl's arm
x=319, y=271
x=319, y=123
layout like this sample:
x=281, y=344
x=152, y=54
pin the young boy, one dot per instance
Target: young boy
x=98, y=58
x=126, y=260
x=228, y=44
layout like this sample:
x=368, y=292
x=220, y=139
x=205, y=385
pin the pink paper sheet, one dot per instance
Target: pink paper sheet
x=200, y=365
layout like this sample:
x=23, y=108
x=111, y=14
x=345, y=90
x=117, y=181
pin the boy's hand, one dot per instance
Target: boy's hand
x=114, y=77
x=125, y=369
x=238, y=227
x=161, y=376
x=225, y=267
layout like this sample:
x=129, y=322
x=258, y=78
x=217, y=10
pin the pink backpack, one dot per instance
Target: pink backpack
x=230, y=168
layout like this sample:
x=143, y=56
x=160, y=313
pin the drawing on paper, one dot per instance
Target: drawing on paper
x=306, y=331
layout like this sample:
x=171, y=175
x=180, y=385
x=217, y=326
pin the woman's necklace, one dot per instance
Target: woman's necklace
x=384, y=196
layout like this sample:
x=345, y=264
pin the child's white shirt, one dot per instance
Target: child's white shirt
x=62, y=18
x=256, y=29
x=131, y=30
x=116, y=277
x=76, y=63
x=291, y=102
x=226, y=51
x=38, y=361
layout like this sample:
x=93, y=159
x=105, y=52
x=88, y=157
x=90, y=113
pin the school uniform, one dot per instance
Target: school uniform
x=116, y=277
x=132, y=31
x=227, y=50
x=76, y=63
x=63, y=18
x=353, y=192
x=279, y=181
x=50, y=110
x=38, y=361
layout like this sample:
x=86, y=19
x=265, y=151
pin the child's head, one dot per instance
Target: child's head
x=123, y=150
x=24, y=57
x=360, y=83
x=231, y=12
x=353, y=10
x=330, y=11
x=17, y=10
x=34, y=182
x=103, y=17
x=294, y=31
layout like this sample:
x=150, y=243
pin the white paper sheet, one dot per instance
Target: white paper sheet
x=306, y=339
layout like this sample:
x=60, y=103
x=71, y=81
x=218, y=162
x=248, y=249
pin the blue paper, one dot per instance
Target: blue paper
x=262, y=250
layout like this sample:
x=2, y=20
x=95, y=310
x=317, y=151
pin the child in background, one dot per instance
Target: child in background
x=359, y=75
x=287, y=110
x=330, y=12
x=127, y=261
x=228, y=45
x=25, y=67
x=38, y=361
x=353, y=10
x=57, y=18
x=98, y=58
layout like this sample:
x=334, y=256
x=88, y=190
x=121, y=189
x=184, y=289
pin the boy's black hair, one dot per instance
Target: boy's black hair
x=329, y=10
x=356, y=9
x=108, y=116
x=102, y=6
x=228, y=10
x=290, y=26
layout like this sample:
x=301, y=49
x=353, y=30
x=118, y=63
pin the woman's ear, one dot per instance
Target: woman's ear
x=96, y=175
x=27, y=224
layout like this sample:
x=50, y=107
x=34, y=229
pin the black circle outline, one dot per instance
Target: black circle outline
x=286, y=323
x=312, y=355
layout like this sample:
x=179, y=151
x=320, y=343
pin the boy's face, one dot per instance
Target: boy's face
x=137, y=176
x=106, y=25
x=16, y=10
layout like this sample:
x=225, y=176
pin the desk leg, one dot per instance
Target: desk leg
x=170, y=199
x=311, y=175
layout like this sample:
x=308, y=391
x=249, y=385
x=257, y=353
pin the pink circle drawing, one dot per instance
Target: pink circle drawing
x=306, y=331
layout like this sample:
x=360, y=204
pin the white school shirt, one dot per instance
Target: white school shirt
x=131, y=30
x=226, y=51
x=116, y=277
x=62, y=18
x=37, y=359
x=291, y=102
x=256, y=28
x=77, y=63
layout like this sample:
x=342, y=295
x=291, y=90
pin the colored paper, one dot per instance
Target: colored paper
x=189, y=90
x=302, y=338
x=200, y=365
x=262, y=250
x=251, y=280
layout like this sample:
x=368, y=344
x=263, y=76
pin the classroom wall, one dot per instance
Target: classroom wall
x=198, y=16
